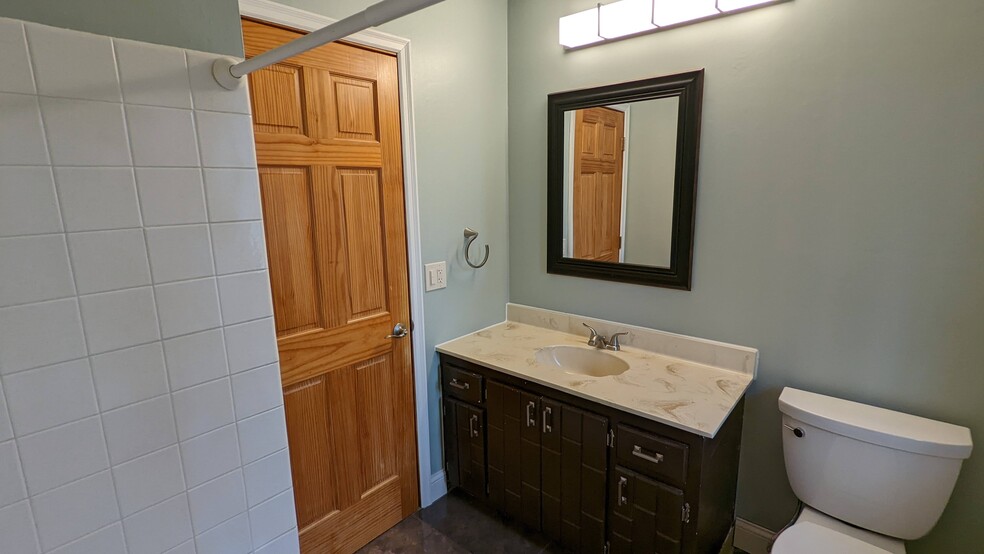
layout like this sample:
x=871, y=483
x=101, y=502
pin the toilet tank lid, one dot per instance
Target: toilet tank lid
x=877, y=425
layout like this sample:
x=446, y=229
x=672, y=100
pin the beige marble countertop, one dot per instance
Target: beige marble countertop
x=687, y=395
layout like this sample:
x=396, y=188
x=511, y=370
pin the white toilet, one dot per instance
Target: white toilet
x=870, y=478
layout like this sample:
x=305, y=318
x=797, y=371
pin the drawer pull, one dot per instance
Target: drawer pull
x=547, y=413
x=530, y=414
x=458, y=384
x=473, y=425
x=639, y=453
x=622, y=483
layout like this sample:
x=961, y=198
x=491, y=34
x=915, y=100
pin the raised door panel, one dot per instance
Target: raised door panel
x=277, y=99
x=646, y=515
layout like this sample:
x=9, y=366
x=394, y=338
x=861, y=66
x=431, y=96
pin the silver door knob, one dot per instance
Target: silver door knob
x=399, y=331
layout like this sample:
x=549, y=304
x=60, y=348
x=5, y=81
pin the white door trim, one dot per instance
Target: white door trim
x=273, y=12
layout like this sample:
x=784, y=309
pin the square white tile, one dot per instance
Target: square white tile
x=40, y=334
x=203, y=408
x=82, y=132
x=162, y=136
x=33, y=269
x=109, y=260
x=130, y=375
x=273, y=518
x=195, y=359
x=46, y=465
x=152, y=74
x=12, y=485
x=208, y=456
x=262, y=435
x=17, y=529
x=15, y=67
x=239, y=247
x=6, y=431
x=226, y=140
x=74, y=510
x=97, y=198
x=139, y=429
x=267, y=477
x=180, y=252
x=22, y=140
x=233, y=194
x=171, y=196
x=108, y=540
x=257, y=390
x=251, y=345
x=159, y=528
x=115, y=320
x=208, y=95
x=150, y=479
x=217, y=501
x=187, y=307
x=245, y=296
x=230, y=537
x=28, y=204
x=49, y=396
x=287, y=543
x=71, y=64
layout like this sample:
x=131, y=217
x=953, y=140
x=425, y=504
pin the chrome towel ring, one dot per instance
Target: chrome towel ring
x=470, y=236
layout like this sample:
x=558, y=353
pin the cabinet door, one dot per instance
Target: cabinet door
x=465, y=447
x=514, y=453
x=574, y=471
x=646, y=515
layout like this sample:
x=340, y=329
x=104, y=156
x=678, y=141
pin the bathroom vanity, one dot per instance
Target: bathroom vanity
x=628, y=451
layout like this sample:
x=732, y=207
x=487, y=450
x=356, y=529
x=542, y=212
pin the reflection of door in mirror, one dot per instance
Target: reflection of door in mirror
x=599, y=138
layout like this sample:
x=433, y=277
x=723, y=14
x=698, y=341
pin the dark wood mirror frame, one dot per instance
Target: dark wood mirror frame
x=688, y=87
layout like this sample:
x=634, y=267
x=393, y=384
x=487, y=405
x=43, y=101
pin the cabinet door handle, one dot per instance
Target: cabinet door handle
x=531, y=414
x=547, y=413
x=458, y=384
x=638, y=452
x=473, y=425
x=622, y=483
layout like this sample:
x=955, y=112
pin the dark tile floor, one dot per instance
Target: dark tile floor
x=457, y=524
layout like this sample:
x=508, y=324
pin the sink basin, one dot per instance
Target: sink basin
x=582, y=361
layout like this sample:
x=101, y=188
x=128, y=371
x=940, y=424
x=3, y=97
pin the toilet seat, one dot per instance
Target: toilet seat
x=809, y=538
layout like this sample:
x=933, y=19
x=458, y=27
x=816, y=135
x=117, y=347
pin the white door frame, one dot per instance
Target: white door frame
x=273, y=12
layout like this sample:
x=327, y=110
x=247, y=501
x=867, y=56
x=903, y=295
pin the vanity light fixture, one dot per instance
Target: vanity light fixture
x=624, y=18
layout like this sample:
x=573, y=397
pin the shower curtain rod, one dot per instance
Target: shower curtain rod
x=229, y=72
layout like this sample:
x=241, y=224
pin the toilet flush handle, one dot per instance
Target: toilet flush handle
x=796, y=431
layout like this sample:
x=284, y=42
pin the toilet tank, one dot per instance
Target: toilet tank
x=880, y=470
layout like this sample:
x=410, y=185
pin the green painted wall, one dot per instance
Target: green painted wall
x=840, y=210
x=206, y=25
x=459, y=86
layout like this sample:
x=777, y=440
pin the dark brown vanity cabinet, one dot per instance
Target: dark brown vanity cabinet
x=588, y=476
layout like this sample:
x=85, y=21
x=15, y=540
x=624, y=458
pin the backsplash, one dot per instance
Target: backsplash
x=140, y=401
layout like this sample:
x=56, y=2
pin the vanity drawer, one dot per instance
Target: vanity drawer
x=462, y=384
x=651, y=454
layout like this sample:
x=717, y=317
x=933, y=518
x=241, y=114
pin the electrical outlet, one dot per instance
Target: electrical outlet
x=436, y=276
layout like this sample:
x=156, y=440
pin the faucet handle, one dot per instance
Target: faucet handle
x=593, y=339
x=614, y=343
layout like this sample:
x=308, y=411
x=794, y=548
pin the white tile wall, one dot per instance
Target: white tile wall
x=140, y=404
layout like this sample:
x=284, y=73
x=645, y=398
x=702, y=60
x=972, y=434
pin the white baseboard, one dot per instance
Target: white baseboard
x=438, y=486
x=752, y=538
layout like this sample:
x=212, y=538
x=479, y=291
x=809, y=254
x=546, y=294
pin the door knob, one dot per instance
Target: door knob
x=399, y=331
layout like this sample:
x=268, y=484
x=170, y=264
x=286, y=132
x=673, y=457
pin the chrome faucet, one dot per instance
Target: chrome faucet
x=603, y=343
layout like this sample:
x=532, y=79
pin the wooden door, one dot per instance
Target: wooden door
x=327, y=129
x=599, y=140
x=646, y=515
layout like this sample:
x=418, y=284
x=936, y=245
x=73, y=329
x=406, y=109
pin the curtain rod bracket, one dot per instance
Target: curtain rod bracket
x=222, y=71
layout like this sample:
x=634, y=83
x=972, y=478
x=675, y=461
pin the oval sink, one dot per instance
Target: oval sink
x=582, y=361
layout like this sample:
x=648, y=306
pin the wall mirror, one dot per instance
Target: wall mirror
x=621, y=180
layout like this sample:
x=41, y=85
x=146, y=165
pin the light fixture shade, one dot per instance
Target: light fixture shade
x=580, y=28
x=626, y=17
x=670, y=12
x=729, y=5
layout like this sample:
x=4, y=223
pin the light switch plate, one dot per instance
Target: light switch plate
x=435, y=276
